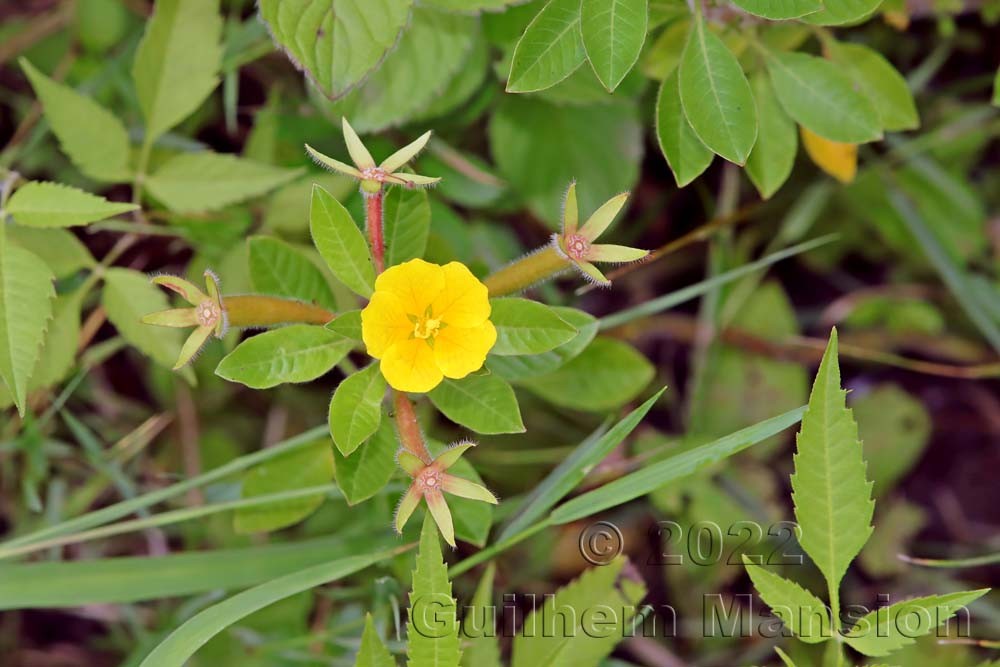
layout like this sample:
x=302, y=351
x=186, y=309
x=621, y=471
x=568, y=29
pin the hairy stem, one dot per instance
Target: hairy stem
x=409, y=427
x=373, y=221
x=254, y=310
x=542, y=264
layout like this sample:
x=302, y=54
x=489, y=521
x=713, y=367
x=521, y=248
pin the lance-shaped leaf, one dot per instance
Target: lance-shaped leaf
x=550, y=49
x=880, y=82
x=279, y=269
x=888, y=629
x=373, y=652
x=770, y=162
x=715, y=94
x=841, y=12
x=356, y=408
x=527, y=327
x=41, y=204
x=780, y=9
x=687, y=156
x=613, y=34
x=831, y=493
x=406, y=219
x=363, y=474
x=481, y=402
x=803, y=613
x=341, y=243
x=297, y=353
x=432, y=628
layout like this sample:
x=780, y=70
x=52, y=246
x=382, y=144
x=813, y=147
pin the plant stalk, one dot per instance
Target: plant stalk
x=542, y=264
x=409, y=427
x=373, y=221
x=254, y=310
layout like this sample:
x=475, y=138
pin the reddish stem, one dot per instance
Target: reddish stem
x=373, y=219
x=409, y=427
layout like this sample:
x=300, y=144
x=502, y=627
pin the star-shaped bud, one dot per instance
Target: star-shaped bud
x=208, y=315
x=431, y=481
x=576, y=243
x=373, y=176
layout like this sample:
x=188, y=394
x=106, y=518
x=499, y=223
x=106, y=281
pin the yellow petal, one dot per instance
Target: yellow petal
x=837, y=159
x=383, y=323
x=417, y=283
x=459, y=351
x=464, y=301
x=409, y=365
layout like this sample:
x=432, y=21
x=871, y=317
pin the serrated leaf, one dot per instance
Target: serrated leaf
x=128, y=295
x=429, y=55
x=686, y=155
x=93, y=138
x=177, y=62
x=777, y=10
x=550, y=49
x=59, y=248
x=341, y=243
x=26, y=295
x=479, y=625
x=300, y=468
x=717, y=99
x=337, y=42
x=820, y=96
x=58, y=352
x=613, y=34
x=362, y=474
x=42, y=204
x=281, y=270
x=606, y=375
x=484, y=403
x=373, y=652
x=799, y=609
x=842, y=12
x=770, y=163
x=888, y=629
x=884, y=86
x=356, y=408
x=297, y=353
x=406, y=219
x=830, y=491
x=432, y=628
x=607, y=587
x=527, y=327
x=523, y=367
x=206, y=181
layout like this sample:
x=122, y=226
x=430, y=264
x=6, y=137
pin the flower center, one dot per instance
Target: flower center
x=426, y=327
x=429, y=478
x=576, y=246
x=207, y=313
x=377, y=174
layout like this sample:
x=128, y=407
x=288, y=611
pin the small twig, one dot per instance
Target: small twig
x=187, y=415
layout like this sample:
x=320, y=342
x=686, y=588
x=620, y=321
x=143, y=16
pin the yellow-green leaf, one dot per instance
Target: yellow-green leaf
x=42, y=204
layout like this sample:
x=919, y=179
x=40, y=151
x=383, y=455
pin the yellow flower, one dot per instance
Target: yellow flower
x=427, y=322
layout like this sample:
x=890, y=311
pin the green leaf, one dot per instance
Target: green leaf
x=540, y=147
x=93, y=138
x=299, y=469
x=432, y=628
x=26, y=294
x=297, y=353
x=896, y=429
x=278, y=269
x=880, y=82
x=770, y=162
x=550, y=49
x=356, y=408
x=429, y=55
x=613, y=34
x=471, y=5
x=341, y=243
x=58, y=352
x=373, y=652
x=182, y=643
x=717, y=99
x=134, y=579
x=589, y=641
x=657, y=475
x=606, y=375
x=59, y=248
x=527, y=327
x=337, y=42
x=177, y=63
x=347, y=325
x=818, y=95
x=831, y=494
x=841, y=12
x=799, y=609
x=573, y=469
x=482, y=402
x=40, y=204
x=406, y=220
x=522, y=367
x=128, y=295
x=777, y=10
x=206, y=181
x=363, y=474
x=682, y=148
x=479, y=625
x=888, y=629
